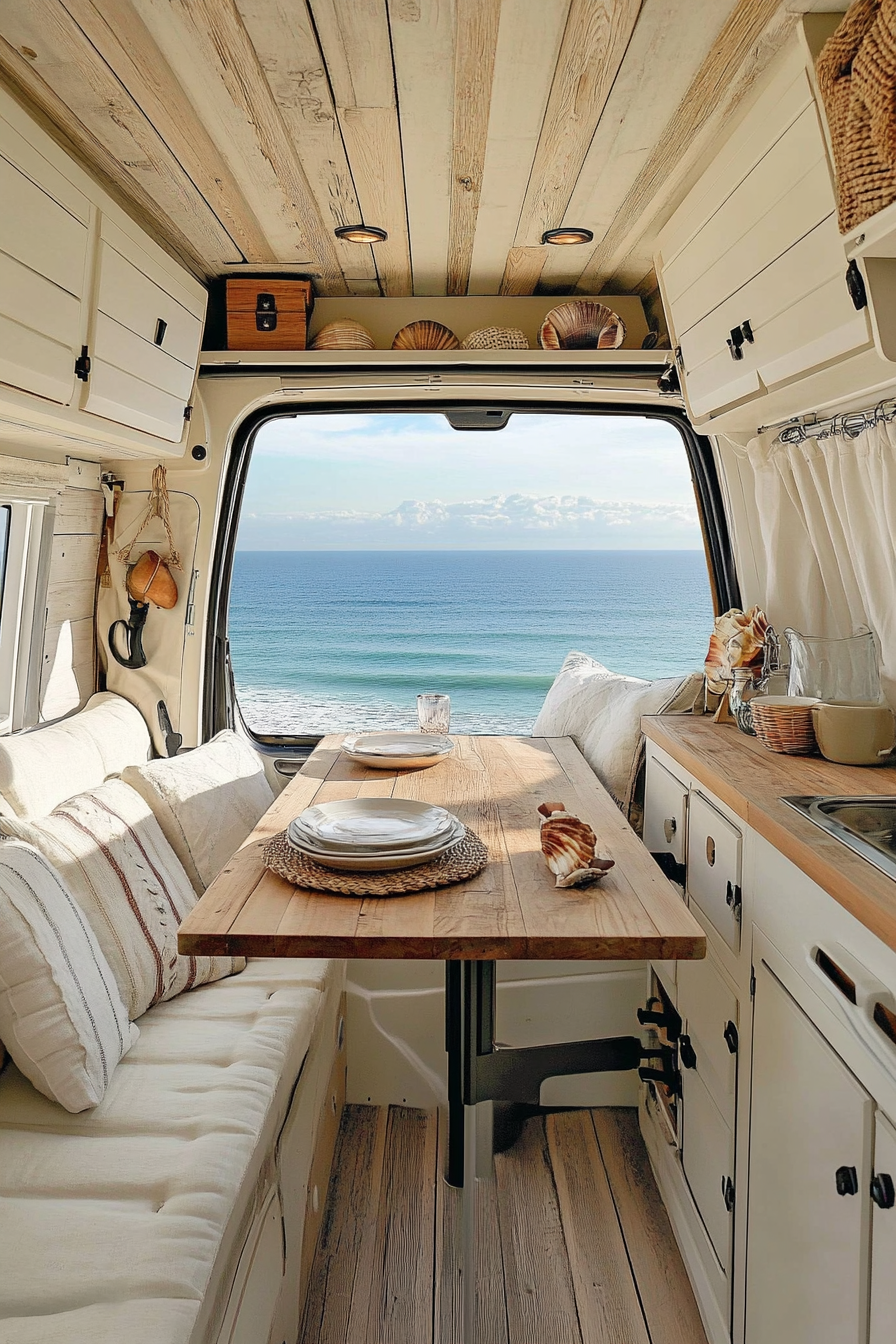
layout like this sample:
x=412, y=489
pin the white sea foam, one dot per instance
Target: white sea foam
x=270, y=710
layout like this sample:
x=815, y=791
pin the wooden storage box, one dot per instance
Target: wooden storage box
x=267, y=314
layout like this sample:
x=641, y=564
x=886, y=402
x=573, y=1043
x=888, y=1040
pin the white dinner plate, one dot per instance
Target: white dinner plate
x=398, y=751
x=302, y=840
x=380, y=862
x=373, y=823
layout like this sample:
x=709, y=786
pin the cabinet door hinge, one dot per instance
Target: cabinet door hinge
x=82, y=365
x=752, y=982
x=188, y=413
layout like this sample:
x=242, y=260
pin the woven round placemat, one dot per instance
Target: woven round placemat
x=465, y=859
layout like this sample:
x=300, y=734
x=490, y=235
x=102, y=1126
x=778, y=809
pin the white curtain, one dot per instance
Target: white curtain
x=822, y=519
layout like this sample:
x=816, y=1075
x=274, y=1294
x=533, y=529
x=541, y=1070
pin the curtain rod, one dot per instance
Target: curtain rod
x=849, y=425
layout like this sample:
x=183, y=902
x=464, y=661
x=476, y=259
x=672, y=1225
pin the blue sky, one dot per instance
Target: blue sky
x=393, y=482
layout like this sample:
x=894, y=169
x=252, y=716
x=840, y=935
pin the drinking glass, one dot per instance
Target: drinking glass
x=434, y=713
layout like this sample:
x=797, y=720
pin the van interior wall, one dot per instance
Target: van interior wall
x=67, y=675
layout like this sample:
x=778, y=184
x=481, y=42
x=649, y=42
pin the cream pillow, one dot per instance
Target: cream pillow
x=61, y=1015
x=110, y=850
x=601, y=711
x=207, y=801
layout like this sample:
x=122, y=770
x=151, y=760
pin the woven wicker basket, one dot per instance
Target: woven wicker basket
x=784, y=723
x=857, y=77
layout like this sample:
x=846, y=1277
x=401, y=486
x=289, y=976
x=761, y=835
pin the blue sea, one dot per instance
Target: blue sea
x=323, y=641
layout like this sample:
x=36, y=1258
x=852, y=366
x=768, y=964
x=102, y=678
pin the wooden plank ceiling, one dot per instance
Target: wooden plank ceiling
x=242, y=132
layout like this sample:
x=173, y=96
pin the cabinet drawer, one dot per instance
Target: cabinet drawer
x=129, y=296
x=709, y=1011
x=665, y=812
x=707, y=1155
x=714, y=868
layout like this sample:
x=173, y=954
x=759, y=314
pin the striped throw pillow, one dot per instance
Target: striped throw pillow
x=61, y=1015
x=111, y=852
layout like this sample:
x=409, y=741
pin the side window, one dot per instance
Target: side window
x=26, y=529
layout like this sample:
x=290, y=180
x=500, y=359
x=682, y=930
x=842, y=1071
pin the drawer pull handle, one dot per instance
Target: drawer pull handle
x=670, y=826
x=883, y=1191
x=838, y=978
x=686, y=1053
x=710, y=850
x=733, y=898
x=731, y=1037
x=847, y=1181
x=161, y=328
x=728, y=1193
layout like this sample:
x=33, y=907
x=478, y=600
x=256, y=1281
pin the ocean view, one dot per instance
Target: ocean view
x=329, y=640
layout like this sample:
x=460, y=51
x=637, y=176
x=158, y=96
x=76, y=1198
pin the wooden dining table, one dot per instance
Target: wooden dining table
x=510, y=910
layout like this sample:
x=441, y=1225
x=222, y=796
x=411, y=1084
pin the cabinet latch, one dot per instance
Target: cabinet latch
x=82, y=365
x=856, y=286
x=846, y=1180
x=728, y=1193
x=733, y=899
x=686, y=1053
x=265, y=312
x=883, y=1192
x=731, y=1037
x=188, y=413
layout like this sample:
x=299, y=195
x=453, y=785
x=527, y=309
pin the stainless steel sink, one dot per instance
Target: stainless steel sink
x=866, y=824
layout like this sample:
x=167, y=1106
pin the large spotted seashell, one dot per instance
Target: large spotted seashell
x=496, y=338
x=569, y=846
x=581, y=325
x=425, y=336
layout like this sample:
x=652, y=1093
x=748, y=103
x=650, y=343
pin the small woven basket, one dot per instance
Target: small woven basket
x=784, y=727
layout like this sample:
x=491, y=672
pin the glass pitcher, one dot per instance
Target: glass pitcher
x=834, y=669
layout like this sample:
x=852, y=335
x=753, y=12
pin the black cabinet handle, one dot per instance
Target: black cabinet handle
x=856, y=287
x=731, y=1037
x=747, y=330
x=728, y=1192
x=847, y=1180
x=161, y=328
x=735, y=343
x=733, y=898
x=686, y=1053
x=882, y=1190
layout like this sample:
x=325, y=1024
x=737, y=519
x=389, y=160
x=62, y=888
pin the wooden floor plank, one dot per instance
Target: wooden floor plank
x=666, y=1294
x=538, y=1284
x=401, y=1299
x=340, y=1284
x=605, y=1291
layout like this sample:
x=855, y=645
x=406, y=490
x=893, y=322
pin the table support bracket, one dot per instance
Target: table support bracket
x=479, y=1069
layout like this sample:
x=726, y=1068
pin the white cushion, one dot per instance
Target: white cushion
x=42, y=768
x=601, y=711
x=110, y=850
x=207, y=801
x=118, y=1223
x=61, y=1015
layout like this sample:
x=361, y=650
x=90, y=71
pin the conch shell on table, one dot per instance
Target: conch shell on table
x=569, y=846
x=737, y=640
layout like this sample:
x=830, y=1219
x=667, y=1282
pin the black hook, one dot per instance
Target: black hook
x=133, y=635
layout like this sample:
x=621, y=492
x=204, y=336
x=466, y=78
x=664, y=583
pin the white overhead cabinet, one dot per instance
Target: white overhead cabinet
x=44, y=240
x=146, y=339
x=99, y=328
x=753, y=269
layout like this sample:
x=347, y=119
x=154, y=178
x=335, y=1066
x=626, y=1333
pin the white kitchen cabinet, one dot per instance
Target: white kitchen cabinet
x=709, y=1011
x=883, y=1235
x=810, y=1139
x=665, y=813
x=707, y=1156
x=714, y=867
x=44, y=244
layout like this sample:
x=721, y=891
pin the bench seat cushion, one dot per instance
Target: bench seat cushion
x=40, y=769
x=118, y=1240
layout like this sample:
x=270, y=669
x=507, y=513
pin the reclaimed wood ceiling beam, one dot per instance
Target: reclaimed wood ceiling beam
x=58, y=71
x=477, y=39
x=282, y=33
x=356, y=44
x=423, y=50
x=210, y=54
x=594, y=44
x=529, y=38
x=723, y=79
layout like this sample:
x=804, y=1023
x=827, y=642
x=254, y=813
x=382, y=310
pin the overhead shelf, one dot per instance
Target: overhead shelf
x=278, y=362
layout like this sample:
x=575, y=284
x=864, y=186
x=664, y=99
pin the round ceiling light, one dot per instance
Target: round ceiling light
x=567, y=237
x=361, y=233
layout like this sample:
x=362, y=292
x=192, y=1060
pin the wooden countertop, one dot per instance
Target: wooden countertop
x=511, y=909
x=750, y=779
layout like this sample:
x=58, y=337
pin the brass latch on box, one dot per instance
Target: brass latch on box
x=265, y=312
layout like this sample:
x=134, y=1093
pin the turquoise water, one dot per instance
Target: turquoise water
x=323, y=641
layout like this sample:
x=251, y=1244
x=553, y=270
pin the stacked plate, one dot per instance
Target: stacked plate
x=398, y=751
x=374, y=834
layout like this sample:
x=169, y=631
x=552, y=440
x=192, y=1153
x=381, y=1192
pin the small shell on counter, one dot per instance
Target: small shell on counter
x=425, y=336
x=496, y=338
x=569, y=845
x=343, y=334
x=581, y=325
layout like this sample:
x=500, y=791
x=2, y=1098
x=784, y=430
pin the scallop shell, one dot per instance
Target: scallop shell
x=567, y=843
x=581, y=325
x=737, y=640
x=343, y=334
x=496, y=338
x=425, y=336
